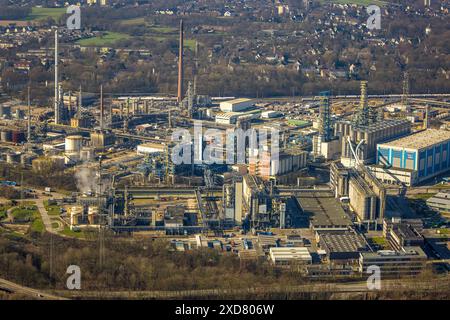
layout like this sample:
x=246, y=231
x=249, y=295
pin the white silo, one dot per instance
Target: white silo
x=75, y=213
x=73, y=144
x=92, y=214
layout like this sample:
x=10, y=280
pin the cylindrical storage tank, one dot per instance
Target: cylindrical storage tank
x=75, y=214
x=5, y=136
x=18, y=136
x=12, y=157
x=92, y=214
x=5, y=111
x=26, y=158
x=19, y=114
x=73, y=144
x=87, y=154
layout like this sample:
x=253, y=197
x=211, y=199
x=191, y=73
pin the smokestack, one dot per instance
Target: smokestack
x=57, y=111
x=29, y=117
x=101, y=107
x=180, y=64
x=80, y=103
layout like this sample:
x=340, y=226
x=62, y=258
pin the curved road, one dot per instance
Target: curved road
x=16, y=288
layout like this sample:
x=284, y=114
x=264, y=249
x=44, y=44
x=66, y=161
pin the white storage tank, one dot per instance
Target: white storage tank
x=73, y=144
x=5, y=136
x=75, y=213
x=92, y=214
x=12, y=157
x=86, y=154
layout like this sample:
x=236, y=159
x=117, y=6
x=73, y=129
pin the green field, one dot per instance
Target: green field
x=53, y=210
x=108, y=39
x=132, y=22
x=74, y=234
x=298, y=123
x=3, y=209
x=381, y=241
x=37, y=225
x=24, y=213
x=163, y=29
x=44, y=13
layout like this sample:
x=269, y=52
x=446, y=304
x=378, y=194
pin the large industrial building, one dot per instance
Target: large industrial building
x=365, y=131
x=372, y=134
x=236, y=105
x=367, y=196
x=323, y=211
x=414, y=158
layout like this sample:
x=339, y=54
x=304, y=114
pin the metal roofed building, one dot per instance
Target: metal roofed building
x=440, y=202
x=234, y=117
x=342, y=245
x=288, y=255
x=372, y=134
x=324, y=211
x=414, y=158
x=236, y=105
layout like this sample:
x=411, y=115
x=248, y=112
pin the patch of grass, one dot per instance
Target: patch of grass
x=3, y=210
x=52, y=210
x=380, y=241
x=38, y=13
x=422, y=196
x=37, y=225
x=24, y=213
x=132, y=22
x=298, y=123
x=109, y=38
x=160, y=29
x=74, y=234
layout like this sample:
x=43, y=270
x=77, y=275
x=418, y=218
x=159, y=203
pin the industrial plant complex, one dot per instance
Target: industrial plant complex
x=327, y=184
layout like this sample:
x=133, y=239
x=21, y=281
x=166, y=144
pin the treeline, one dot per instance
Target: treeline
x=55, y=179
x=130, y=265
x=13, y=13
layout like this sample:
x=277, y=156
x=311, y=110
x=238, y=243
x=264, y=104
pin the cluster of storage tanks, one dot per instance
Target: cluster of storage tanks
x=75, y=151
x=19, y=157
x=77, y=215
x=5, y=112
x=14, y=136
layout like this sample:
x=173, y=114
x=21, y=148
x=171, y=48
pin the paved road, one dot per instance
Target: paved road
x=16, y=288
x=44, y=214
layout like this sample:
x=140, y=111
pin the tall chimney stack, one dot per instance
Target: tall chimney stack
x=57, y=111
x=180, y=64
x=101, y=107
x=80, y=103
x=29, y=116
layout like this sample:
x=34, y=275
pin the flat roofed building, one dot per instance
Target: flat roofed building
x=236, y=105
x=148, y=148
x=394, y=263
x=324, y=211
x=414, y=158
x=363, y=200
x=342, y=245
x=288, y=255
x=440, y=202
x=372, y=135
x=403, y=235
x=234, y=117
